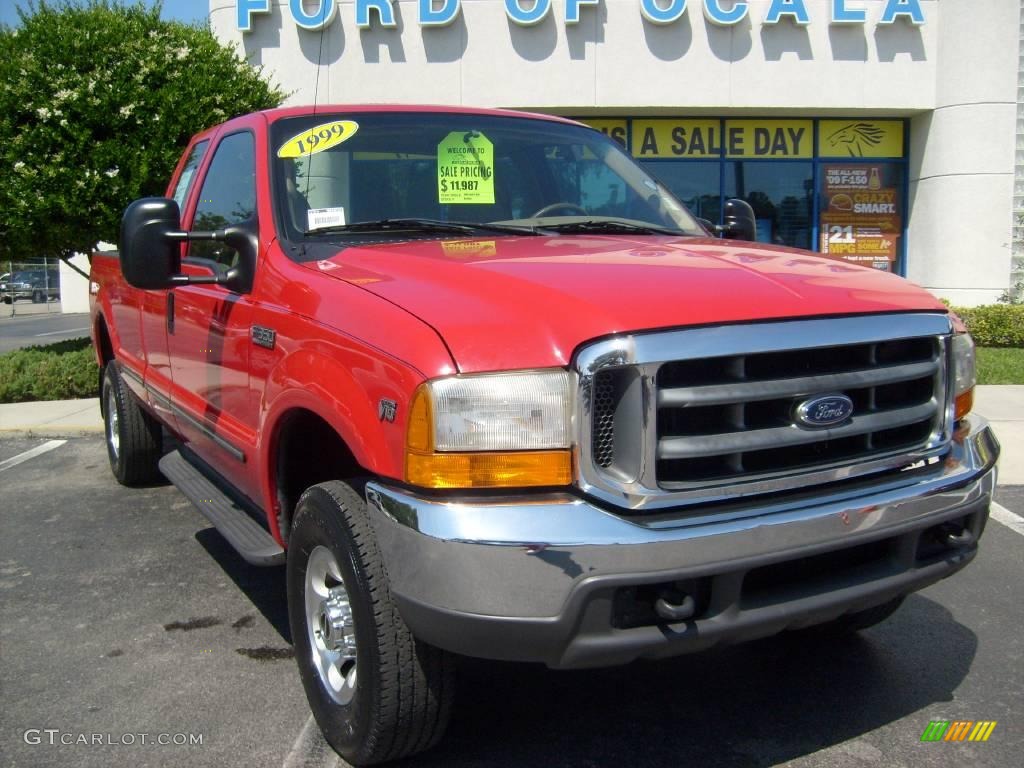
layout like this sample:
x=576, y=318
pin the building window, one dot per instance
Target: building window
x=836, y=186
x=696, y=183
x=782, y=196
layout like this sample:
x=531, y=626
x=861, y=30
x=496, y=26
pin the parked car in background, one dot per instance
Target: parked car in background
x=39, y=285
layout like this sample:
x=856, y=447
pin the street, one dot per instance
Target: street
x=38, y=326
x=124, y=613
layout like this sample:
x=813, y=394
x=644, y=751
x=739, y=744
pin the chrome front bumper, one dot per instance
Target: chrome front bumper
x=536, y=578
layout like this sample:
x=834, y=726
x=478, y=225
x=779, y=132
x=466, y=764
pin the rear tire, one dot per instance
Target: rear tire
x=343, y=619
x=134, y=438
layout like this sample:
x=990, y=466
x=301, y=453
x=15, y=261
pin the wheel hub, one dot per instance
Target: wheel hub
x=113, y=432
x=334, y=623
x=330, y=625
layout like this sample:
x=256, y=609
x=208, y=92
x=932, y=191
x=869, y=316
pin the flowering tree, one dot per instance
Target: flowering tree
x=97, y=102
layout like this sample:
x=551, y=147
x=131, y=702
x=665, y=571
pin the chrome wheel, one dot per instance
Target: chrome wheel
x=113, y=433
x=331, y=627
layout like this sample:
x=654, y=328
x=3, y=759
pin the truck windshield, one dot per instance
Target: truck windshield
x=365, y=176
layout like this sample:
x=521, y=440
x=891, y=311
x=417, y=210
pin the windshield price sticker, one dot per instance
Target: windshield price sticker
x=465, y=169
x=318, y=218
x=318, y=138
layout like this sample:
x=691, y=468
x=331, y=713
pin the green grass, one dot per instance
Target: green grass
x=61, y=371
x=1001, y=365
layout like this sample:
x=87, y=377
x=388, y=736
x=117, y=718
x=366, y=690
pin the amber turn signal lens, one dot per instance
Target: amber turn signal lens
x=420, y=432
x=964, y=403
x=517, y=469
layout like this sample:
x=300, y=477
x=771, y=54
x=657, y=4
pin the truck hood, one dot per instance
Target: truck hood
x=528, y=302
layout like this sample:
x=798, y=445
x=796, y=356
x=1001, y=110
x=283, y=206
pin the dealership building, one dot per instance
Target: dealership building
x=884, y=132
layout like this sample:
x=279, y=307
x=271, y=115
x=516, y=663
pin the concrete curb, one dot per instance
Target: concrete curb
x=53, y=418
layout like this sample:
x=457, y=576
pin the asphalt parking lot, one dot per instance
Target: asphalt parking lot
x=39, y=324
x=125, y=616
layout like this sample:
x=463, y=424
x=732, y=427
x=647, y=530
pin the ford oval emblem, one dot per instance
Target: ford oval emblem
x=824, y=411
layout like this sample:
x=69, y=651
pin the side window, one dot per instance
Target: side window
x=227, y=197
x=188, y=173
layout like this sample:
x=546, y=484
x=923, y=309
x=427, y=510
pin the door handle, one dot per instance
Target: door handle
x=170, y=312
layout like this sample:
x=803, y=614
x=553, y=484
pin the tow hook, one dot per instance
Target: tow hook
x=955, y=536
x=680, y=611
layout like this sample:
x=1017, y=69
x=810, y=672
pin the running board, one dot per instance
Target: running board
x=249, y=538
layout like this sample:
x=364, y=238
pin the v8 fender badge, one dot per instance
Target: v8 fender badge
x=823, y=411
x=387, y=409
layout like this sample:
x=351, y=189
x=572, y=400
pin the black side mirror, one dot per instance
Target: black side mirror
x=150, y=248
x=149, y=258
x=738, y=221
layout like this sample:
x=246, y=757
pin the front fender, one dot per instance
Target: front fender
x=344, y=386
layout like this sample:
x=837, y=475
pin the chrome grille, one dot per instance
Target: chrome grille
x=732, y=415
x=706, y=414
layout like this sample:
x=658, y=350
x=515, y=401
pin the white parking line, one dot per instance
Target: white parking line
x=57, y=333
x=1011, y=520
x=14, y=461
x=310, y=750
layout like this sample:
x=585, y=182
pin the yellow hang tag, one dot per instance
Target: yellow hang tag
x=465, y=169
x=318, y=138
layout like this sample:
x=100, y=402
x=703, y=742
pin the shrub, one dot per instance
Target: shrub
x=994, y=325
x=61, y=371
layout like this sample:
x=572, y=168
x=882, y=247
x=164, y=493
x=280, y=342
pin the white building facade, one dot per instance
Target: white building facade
x=881, y=132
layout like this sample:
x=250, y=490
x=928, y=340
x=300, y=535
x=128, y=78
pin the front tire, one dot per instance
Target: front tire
x=134, y=438
x=376, y=692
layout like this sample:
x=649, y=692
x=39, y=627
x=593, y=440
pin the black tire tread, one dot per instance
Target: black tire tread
x=141, y=444
x=417, y=689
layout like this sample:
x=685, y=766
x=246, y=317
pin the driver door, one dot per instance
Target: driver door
x=208, y=326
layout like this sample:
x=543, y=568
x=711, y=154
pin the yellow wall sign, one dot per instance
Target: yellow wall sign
x=860, y=138
x=318, y=138
x=775, y=139
x=667, y=138
x=465, y=169
x=613, y=129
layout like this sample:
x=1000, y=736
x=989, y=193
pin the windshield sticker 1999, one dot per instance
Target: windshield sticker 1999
x=318, y=138
x=465, y=169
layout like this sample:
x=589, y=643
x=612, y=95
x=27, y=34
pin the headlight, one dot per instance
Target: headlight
x=491, y=431
x=964, y=377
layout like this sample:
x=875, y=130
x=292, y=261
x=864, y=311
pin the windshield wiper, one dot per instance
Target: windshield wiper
x=422, y=225
x=591, y=226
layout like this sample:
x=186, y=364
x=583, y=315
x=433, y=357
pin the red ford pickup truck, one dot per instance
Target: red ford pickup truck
x=487, y=388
